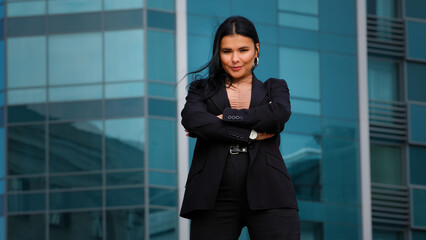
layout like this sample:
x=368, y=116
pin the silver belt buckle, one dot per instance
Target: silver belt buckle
x=232, y=150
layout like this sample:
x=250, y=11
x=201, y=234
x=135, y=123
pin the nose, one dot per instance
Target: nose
x=235, y=57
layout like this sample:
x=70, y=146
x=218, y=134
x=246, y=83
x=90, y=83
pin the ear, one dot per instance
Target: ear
x=257, y=49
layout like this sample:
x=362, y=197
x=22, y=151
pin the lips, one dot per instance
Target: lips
x=236, y=68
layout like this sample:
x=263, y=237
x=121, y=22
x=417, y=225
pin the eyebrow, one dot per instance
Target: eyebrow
x=244, y=47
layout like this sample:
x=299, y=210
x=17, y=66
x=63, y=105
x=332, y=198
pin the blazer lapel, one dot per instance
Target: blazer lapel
x=220, y=99
x=258, y=92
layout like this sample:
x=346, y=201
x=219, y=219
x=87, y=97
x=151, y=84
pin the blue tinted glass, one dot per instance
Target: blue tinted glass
x=302, y=6
x=267, y=33
x=196, y=57
x=2, y=67
x=117, y=20
x=75, y=181
x=2, y=154
x=386, y=164
x=305, y=107
x=415, y=8
x=416, y=32
x=157, y=107
x=26, y=113
x=383, y=80
x=163, y=224
x=161, y=20
x=76, y=225
x=417, y=165
x=340, y=128
x=71, y=200
x=2, y=186
x=201, y=25
x=418, y=235
x=299, y=123
x=124, y=223
x=1, y=211
x=256, y=10
x=86, y=22
x=344, y=11
x=26, y=202
x=298, y=21
x=124, y=51
x=75, y=110
x=339, y=86
x=26, y=184
x=268, y=62
x=26, y=149
x=388, y=235
x=26, y=62
x=26, y=227
x=124, y=90
x=22, y=96
x=163, y=197
x=124, y=107
x=161, y=90
x=125, y=178
x=165, y=4
x=417, y=123
x=416, y=75
x=338, y=213
x=88, y=92
x=314, y=229
x=66, y=64
x=219, y=8
x=125, y=197
x=75, y=146
x=74, y=6
x=161, y=44
x=338, y=43
x=29, y=8
x=294, y=37
x=162, y=154
x=25, y=26
x=162, y=178
x=300, y=68
x=419, y=207
x=124, y=143
x=383, y=8
x=1, y=98
x=1, y=116
x=122, y=4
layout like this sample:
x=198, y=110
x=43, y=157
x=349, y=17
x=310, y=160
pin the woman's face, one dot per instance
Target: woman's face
x=237, y=54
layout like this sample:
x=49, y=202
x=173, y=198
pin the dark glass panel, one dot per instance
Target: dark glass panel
x=313, y=230
x=126, y=224
x=380, y=8
x=26, y=202
x=162, y=144
x=419, y=207
x=123, y=19
x=85, y=22
x=75, y=146
x=125, y=197
x=71, y=200
x=1, y=116
x=164, y=108
x=76, y=225
x=162, y=178
x=388, y=235
x=26, y=184
x=417, y=165
x=75, y=181
x=419, y=235
x=416, y=84
x=26, y=227
x=386, y=164
x=1, y=206
x=415, y=9
x=1, y=29
x=161, y=20
x=26, y=26
x=163, y=224
x=124, y=178
x=26, y=113
x=124, y=107
x=75, y=110
x=26, y=149
x=163, y=197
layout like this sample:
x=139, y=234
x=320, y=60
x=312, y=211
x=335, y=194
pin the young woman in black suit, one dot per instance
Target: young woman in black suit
x=238, y=177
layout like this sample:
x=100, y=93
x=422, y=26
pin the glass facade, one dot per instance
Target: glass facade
x=89, y=126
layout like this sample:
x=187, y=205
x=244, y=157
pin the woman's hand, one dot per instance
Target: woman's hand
x=220, y=116
x=263, y=136
x=187, y=133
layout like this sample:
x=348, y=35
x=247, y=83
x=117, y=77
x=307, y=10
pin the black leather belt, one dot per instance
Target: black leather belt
x=237, y=149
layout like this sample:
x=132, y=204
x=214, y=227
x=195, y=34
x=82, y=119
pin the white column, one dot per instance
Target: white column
x=182, y=140
x=364, y=134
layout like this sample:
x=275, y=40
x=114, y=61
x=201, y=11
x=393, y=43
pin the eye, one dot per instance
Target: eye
x=243, y=50
x=226, y=51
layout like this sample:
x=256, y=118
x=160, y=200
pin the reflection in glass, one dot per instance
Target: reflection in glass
x=26, y=202
x=162, y=144
x=419, y=207
x=75, y=181
x=87, y=92
x=26, y=96
x=124, y=143
x=75, y=110
x=26, y=149
x=125, y=197
x=74, y=6
x=75, y=200
x=162, y=178
x=386, y=164
x=161, y=68
x=26, y=113
x=124, y=107
x=383, y=8
x=387, y=235
x=128, y=224
x=383, y=83
x=76, y=225
x=163, y=197
x=75, y=146
x=18, y=9
x=125, y=178
x=128, y=4
x=311, y=230
x=124, y=90
x=26, y=184
x=31, y=226
x=162, y=224
x=302, y=155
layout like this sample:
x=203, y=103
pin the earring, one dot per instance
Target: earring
x=256, y=62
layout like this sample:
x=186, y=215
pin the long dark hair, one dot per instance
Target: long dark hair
x=216, y=74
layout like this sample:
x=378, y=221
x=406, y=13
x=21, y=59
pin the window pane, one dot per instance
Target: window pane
x=124, y=51
x=125, y=178
x=18, y=9
x=75, y=146
x=419, y=207
x=26, y=26
x=417, y=123
x=300, y=68
x=383, y=83
x=417, y=165
x=162, y=178
x=26, y=113
x=75, y=58
x=76, y=225
x=415, y=8
x=22, y=96
x=416, y=32
x=161, y=90
x=74, y=6
x=124, y=143
x=383, y=8
x=26, y=184
x=163, y=224
x=163, y=197
x=86, y=22
x=2, y=159
x=311, y=230
x=26, y=149
x=387, y=235
x=75, y=110
x=161, y=44
x=122, y=4
x=302, y=6
x=416, y=75
x=386, y=164
x=305, y=107
x=26, y=202
x=157, y=107
x=162, y=144
x=125, y=197
x=165, y=4
x=117, y=20
x=124, y=90
x=26, y=227
x=158, y=19
x=26, y=62
x=124, y=107
x=125, y=224
x=75, y=181
x=88, y=92
x=418, y=235
x=298, y=21
x=71, y=200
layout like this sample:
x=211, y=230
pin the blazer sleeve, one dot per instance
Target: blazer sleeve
x=202, y=124
x=269, y=117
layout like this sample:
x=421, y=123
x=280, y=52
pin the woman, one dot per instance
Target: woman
x=238, y=177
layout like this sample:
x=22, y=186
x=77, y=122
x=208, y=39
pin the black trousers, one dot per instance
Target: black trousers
x=231, y=212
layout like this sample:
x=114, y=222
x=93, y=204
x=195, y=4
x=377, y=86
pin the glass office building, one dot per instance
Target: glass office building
x=91, y=145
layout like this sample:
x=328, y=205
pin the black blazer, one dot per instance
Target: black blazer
x=269, y=184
